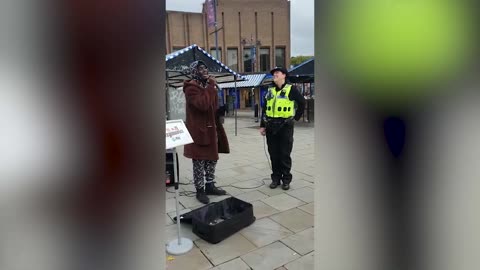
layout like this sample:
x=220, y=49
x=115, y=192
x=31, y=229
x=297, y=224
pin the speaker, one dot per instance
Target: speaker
x=170, y=176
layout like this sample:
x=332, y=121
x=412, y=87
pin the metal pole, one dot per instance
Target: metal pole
x=181, y=245
x=303, y=93
x=175, y=172
x=216, y=29
x=235, y=104
x=167, y=91
x=252, y=96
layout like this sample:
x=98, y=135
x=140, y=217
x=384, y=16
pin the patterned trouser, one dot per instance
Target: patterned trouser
x=203, y=169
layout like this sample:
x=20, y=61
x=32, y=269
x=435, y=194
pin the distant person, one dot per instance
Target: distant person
x=307, y=94
x=221, y=104
x=202, y=121
x=283, y=104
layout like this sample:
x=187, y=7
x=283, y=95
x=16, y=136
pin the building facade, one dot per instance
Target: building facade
x=253, y=35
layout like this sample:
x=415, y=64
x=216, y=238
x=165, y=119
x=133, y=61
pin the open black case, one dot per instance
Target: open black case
x=217, y=221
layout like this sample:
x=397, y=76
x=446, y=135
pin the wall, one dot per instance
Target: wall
x=267, y=21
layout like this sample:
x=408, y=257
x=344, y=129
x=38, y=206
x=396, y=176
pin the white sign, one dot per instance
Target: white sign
x=176, y=134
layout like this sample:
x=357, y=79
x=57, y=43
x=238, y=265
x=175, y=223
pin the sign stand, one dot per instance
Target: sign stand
x=177, y=134
x=181, y=245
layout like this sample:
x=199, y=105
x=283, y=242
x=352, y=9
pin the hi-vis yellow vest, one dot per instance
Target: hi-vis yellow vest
x=278, y=103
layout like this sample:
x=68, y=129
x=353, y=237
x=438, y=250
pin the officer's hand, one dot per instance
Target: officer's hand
x=262, y=131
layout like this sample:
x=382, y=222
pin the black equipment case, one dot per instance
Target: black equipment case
x=217, y=221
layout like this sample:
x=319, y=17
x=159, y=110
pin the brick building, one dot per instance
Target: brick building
x=242, y=24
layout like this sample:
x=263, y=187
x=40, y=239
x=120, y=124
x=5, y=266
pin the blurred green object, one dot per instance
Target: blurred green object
x=394, y=50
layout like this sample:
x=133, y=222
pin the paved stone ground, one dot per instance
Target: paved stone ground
x=282, y=235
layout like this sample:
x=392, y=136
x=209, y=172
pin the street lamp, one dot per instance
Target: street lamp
x=253, y=56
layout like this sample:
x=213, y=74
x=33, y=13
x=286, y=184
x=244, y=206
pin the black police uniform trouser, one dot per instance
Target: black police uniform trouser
x=280, y=144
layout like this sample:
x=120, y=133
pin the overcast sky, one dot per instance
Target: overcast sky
x=301, y=19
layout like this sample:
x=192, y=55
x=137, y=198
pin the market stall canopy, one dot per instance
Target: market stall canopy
x=303, y=73
x=178, y=63
x=251, y=80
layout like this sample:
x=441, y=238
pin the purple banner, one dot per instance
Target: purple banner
x=210, y=8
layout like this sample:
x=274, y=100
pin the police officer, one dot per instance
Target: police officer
x=283, y=104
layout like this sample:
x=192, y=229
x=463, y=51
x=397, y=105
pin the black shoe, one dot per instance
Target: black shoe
x=211, y=189
x=202, y=196
x=274, y=184
x=285, y=186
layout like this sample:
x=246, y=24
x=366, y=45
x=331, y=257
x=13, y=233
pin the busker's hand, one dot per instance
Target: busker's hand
x=262, y=131
x=209, y=78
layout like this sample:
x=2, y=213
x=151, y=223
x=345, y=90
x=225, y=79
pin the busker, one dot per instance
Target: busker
x=203, y=124
x=283, y=104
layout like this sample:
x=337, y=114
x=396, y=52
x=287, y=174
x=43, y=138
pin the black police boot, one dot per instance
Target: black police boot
x=286, y=184
x=211, y=189
x=202, y=196
x=275, y=181
x=274, y=184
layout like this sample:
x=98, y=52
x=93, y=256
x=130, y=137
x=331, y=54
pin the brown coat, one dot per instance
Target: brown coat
x=201, y=121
